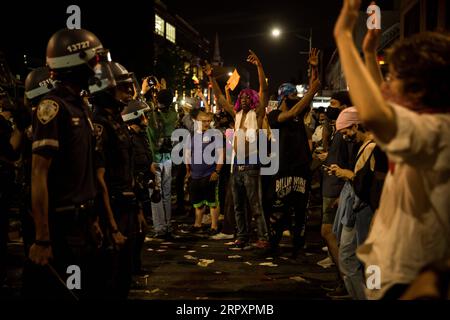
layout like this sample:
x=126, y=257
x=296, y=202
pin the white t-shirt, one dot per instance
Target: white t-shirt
x=411, y=227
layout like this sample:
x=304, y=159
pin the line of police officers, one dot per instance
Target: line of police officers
x=89, y=171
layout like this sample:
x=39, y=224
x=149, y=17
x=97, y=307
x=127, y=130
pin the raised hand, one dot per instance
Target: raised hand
x=253, y=58
x=207, y=69
x=314, y=81
x=314, y=57
x=371, y=40
x=347, y=18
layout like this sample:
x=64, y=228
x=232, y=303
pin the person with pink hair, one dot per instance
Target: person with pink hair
x=248, y=113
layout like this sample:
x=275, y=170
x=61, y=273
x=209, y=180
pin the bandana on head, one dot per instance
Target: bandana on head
x=254, y=99
x=284, y=90
x=347, y=118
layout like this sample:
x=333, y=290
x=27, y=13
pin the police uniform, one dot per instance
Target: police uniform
x=142, y=161
x=114, y=153
x=63, y=131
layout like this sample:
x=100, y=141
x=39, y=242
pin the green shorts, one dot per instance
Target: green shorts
x=204, y=192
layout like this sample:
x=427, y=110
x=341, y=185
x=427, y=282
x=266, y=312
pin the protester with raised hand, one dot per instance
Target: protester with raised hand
x=248, y=113
x=409, y=118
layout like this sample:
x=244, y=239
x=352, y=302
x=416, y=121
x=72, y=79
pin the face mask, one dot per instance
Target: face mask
x=332, y=113
x=322, y=122
x=350, y=139
x=290, y=103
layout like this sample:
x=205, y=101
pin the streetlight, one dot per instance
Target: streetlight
x=306, y=39
x=276, y=32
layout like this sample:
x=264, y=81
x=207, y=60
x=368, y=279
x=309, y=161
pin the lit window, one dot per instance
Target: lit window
x=170, y=32
x=159, y=25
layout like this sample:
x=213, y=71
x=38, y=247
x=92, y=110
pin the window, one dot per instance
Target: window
x=159, y=25
x=170, y=32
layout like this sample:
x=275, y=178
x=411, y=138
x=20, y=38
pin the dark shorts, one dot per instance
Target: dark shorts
x=204, y=192
x=328, y=212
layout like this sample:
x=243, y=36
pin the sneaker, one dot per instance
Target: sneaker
x=222, y=236
x=240, y=245
x=194, y=229
x=339, y=293
x=213, y=232
x=326, y=263
x=262, y=244
x=329, y=287
x=325, y=249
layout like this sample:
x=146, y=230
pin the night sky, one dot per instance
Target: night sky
x=241, y=25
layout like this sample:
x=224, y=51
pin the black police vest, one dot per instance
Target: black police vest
x=142, y=155
x=115, y=151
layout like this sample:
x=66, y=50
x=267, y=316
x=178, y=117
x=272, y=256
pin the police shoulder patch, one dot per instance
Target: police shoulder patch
x=47, y=110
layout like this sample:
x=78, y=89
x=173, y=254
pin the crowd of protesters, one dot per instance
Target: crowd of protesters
x=380, y=154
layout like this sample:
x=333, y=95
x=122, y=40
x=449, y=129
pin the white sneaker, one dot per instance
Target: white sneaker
x=222, y=236
x=326, y=263
x=325, y=249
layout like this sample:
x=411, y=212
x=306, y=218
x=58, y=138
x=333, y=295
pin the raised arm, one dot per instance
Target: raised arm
x=314, y=85
x=373, y=110
x=227, y=94
x=263, y=87
x=221, y=100
x=201, y=96
x=370, y=46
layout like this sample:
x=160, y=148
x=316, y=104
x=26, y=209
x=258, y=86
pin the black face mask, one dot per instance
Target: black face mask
x=350, y=139
x=290, y=103
x=332, y=113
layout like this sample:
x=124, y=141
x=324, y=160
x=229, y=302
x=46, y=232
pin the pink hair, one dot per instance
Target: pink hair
x=254, y=99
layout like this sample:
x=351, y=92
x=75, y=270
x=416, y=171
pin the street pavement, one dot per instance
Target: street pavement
x=194, y=267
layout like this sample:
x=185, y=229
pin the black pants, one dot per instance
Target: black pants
x=73, y=244
x=119, y=262
x=286, y=204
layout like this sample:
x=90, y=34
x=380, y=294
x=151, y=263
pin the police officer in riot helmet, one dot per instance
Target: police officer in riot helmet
x=14, y=118
x=37, y=84
x=111, y=90
x=10, y=137
x=63, y=178
x=134, y=116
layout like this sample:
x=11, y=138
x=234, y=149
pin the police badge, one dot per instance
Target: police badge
x=47, y=110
